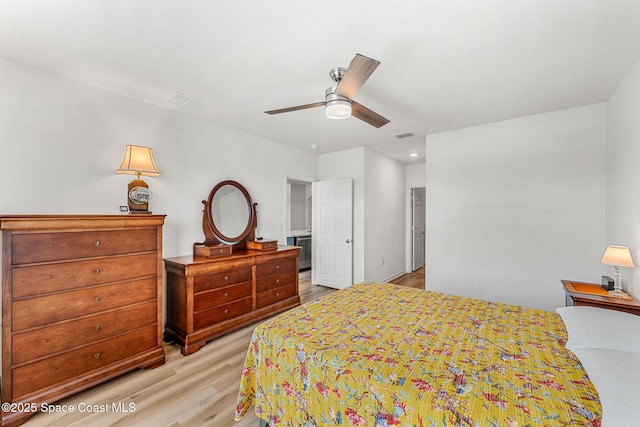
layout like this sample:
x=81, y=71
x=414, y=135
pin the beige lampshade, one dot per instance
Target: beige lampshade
x=138, y=161
x=618, y=256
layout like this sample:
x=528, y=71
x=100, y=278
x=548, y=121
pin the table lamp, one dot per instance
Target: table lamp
x=138, y=161
x=618, y=257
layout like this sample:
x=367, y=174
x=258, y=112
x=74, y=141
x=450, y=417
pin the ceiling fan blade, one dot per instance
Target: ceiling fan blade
x=299, y=107
x=356, y=75
x=366, y=115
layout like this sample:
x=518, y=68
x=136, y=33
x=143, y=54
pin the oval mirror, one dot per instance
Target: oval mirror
x=231, y=216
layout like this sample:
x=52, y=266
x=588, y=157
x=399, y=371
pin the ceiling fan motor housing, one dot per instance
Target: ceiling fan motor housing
x=337, y=73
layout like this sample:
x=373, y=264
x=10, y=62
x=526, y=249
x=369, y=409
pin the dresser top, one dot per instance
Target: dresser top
x=239, y=254
x=53, y=222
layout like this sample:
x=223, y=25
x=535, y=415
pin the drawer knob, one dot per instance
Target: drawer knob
x=96, y=355
x=277, y=266
x=226, y=277
x=277, y=280
x=226, y=311
x=97, y=271
x=96, y=327
x=277, y=294
x=220, y=250
x=226, y=294
x=96, y=299
x=97, y=243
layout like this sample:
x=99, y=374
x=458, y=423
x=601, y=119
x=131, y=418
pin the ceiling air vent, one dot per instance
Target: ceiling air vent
x=404, y=135
x=186, y=103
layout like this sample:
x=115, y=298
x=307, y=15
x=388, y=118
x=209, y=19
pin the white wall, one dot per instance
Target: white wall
x=416, y=175
x=61, y=141
x=518, y=205
x=623, y=174
x=384, y=217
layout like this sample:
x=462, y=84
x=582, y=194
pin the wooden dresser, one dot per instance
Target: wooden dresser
x=208, y=297
x=81, y=303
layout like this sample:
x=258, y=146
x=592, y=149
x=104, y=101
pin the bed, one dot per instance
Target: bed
x=384, y=354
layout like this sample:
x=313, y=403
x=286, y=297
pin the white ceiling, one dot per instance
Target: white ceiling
x=445, y=64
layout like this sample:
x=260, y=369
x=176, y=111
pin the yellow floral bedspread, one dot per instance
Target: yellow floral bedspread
x=386, y=355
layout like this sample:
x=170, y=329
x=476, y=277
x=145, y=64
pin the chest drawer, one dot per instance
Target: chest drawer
x=221, y=296
x=33, y=312
x=66, y=366
x=274, y=295
x=39, y=279
x=276, y=267
x=41, y=247
x=60, y=337
x=221, y=313
x=223, y=278
x=275, y=281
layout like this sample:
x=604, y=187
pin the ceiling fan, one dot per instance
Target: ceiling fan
x=339, y=103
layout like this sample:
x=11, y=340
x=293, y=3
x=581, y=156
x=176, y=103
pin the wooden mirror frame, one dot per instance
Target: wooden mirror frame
x=216, y=243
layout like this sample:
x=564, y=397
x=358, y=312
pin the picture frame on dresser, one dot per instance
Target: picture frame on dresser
x=94, y=282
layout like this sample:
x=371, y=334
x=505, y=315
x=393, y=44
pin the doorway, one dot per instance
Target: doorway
x=333, y=233
x=418, y=229
x=298, y=218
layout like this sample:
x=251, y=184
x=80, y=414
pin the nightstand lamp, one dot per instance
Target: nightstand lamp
x=138, y=161
x=618, y=257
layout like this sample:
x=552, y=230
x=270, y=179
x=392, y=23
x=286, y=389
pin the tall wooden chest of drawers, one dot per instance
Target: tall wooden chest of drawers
x=81, y=303
x=208, y=297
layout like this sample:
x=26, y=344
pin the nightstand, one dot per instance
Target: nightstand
x=594, y=295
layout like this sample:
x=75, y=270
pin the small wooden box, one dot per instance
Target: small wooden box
x=262, y=245
x=211, y=251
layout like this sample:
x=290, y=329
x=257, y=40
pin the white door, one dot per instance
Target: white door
x=418, y=227
x=332, y=233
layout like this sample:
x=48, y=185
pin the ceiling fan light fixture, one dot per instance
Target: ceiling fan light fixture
x=336, y=107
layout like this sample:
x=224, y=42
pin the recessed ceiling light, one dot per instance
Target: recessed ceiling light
x=315, y=146
x=414, y=154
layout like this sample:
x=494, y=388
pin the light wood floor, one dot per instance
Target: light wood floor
x=195, y=390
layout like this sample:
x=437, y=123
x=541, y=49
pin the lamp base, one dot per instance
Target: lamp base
x=134, y=207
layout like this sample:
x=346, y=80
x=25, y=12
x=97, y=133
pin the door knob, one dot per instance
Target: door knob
x=347, y=241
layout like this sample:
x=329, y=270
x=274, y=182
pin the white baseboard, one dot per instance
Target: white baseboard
x=393, y=276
